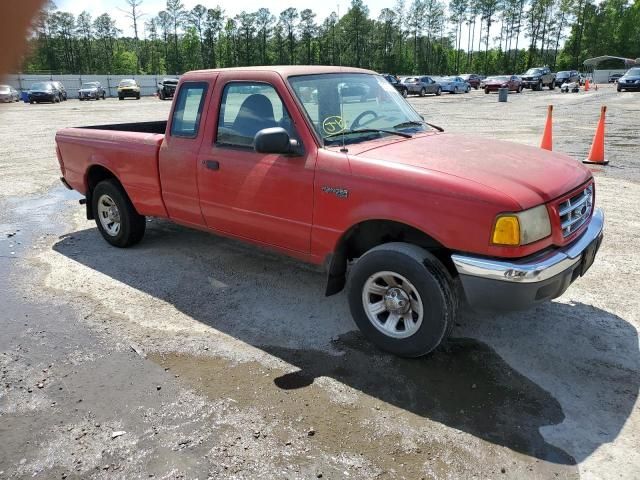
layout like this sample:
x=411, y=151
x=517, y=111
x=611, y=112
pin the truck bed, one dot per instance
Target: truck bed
x=127, y=150
x=157, y=127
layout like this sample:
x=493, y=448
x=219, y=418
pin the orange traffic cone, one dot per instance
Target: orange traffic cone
x=547, y=136
x=586, y=85
x=596, y=154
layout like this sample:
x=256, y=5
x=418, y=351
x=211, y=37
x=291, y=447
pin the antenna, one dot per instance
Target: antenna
x=344, y=148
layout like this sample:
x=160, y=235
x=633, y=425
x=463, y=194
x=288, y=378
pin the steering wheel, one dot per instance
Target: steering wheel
x=356, y=123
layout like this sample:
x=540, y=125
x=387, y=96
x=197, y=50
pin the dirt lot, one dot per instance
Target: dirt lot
x=220, y=361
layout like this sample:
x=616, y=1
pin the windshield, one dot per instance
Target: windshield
x=340, y=103
x=564, y=74
x=533, y=71
x=89, y=85
x=41, y=86
x=633, y=71
x=128, y=83
x=498, y=79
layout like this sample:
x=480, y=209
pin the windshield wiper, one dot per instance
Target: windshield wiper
x=370, y=130
x=413, y=122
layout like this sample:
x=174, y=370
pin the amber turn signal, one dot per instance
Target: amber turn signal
x=506, y=231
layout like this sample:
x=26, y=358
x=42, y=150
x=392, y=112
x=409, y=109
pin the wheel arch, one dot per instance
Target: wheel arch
x=96, y=174
x=365, y=235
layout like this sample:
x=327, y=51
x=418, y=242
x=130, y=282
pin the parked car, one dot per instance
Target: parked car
x=395, y=81
x=167, y=88
x=63, y=91
x=567, y=76
x=613, y=78
x=453, y=84
x=472, y=79
x=493, y=84
x=9, y=94
x=128, y=88
x=506, y=234
x=539, y=77
x=91, y=90
x=630, y=80
x=44, y=92
x=421, y=85
x=573, y=87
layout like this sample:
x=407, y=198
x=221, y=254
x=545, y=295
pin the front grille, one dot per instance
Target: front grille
x=575, y=211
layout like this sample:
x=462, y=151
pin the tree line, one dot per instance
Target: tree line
x=418, y=36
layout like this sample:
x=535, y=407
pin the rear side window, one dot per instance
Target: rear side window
x=188, y=110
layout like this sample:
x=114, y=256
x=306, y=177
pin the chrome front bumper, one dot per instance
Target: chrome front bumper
x=518, y=283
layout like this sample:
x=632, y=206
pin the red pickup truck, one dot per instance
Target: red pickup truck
x=332, y=166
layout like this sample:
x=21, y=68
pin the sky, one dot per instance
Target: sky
x=231, y=8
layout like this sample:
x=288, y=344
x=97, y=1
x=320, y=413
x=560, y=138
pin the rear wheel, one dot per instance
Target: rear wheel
x=405, y=93
x=486, y=91
x=552, y=86
x=439, y=92
x=402, y=299
x=423, y=92
x=161, y=95
x=116, y=218
x=619, y=89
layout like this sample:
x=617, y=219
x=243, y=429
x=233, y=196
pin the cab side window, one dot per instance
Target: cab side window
x=247, y=108
x=188, y=110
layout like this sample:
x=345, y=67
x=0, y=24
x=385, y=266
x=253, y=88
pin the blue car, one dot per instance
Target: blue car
x=454, y=85
x=630, y=80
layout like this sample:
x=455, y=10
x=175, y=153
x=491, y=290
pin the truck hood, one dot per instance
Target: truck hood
x=529, y=175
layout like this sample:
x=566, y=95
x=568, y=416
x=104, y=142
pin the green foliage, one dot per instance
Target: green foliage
x=417, y=36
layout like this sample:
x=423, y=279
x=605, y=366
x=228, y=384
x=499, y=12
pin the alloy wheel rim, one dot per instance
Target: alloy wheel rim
x=109, y=215
x=392, y=304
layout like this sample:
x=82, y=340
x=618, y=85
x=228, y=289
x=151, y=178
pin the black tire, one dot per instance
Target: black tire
x=120, y=98
x=539, y=86
x=486, y=91
x=405, y=93
x=423, y=92
x=552, y=86
x=476, y=87
x=619, y=89
x=31, y=102
x=132, y=224
x=161, y=95
x=137, y=97
x=439, y=92
x=431, y=281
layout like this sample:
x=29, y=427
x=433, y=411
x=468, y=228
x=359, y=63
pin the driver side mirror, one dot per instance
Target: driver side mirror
x=275, y=140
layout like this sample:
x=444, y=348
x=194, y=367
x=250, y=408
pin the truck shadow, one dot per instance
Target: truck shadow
x=466, y=385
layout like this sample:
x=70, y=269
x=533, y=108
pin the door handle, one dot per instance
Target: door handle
x=211, y=164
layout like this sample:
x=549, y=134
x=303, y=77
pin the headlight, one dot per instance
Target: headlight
x=522, y=228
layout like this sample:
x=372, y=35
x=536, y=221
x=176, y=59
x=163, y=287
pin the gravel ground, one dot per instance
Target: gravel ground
x=220, y=361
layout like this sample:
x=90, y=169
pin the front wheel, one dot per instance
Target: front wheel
x=552, y=86
x=619, y=89
x=116, y=217
x=486, y=91
x=402, y=299
x=439, y=92
x=423, y=92
x=405, y=93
